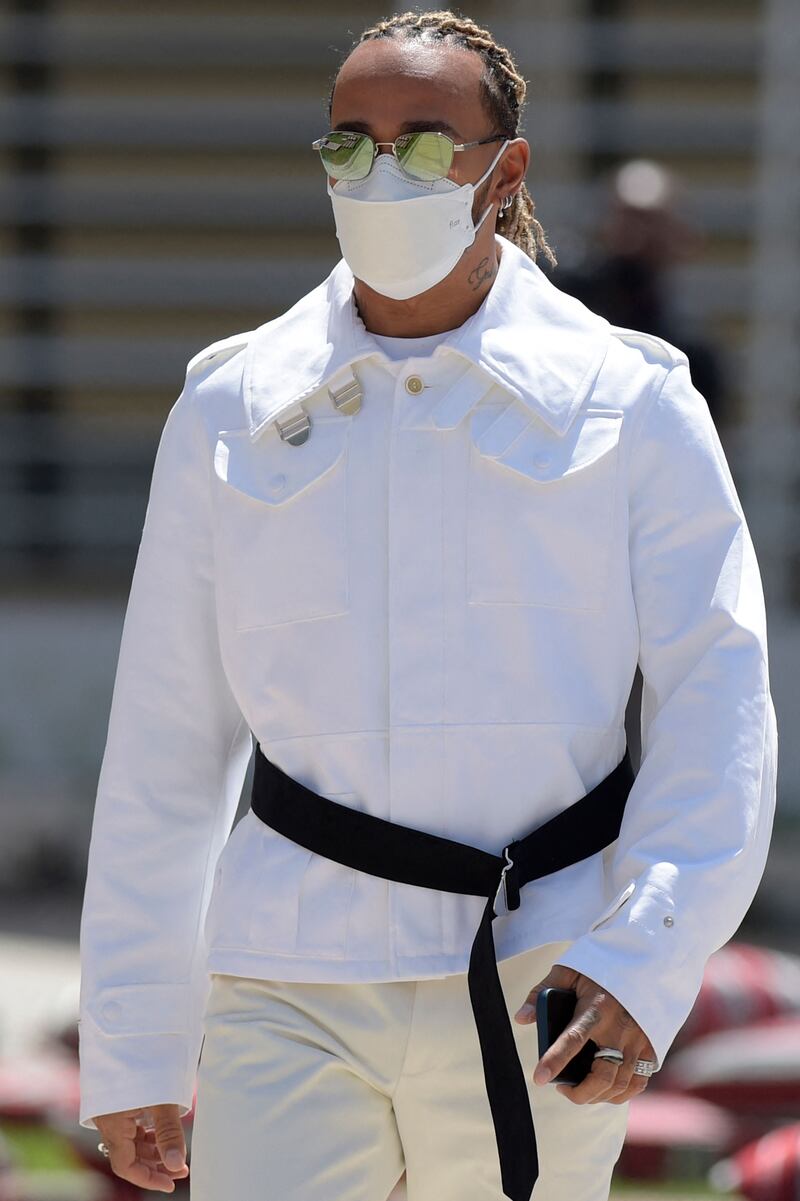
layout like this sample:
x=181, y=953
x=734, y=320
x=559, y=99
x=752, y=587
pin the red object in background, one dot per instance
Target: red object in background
x=30, y=1085
x=767, y=1169
x=753, y=1070
x=742, y=983
x=672, y=1118
x=662, y=1125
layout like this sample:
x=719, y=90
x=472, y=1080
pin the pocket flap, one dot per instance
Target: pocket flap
x=273, y=470
x=142, y=1009
x=494, y=432
x=544, y=455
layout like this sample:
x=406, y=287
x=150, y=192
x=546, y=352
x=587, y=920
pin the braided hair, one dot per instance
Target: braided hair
x=503, y=92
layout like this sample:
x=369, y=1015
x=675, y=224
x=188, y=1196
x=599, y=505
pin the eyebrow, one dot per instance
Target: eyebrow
x=406, y=127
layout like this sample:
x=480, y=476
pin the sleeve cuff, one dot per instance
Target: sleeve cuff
x=648, y=957
x=137, y=1094
x=137, y=1046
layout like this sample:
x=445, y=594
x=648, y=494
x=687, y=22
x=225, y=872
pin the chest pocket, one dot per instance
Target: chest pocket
x=540, y=508
x=282, y=524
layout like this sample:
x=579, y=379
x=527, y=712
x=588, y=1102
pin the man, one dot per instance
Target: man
x=623, y=273
x=413, y=537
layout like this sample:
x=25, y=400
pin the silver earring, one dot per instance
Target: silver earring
x=506, y=205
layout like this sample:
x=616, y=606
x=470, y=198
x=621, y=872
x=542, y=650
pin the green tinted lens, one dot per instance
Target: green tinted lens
x=426, y=156
x=346, y=155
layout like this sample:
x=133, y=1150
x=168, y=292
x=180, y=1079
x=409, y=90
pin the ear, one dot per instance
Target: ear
x=510, y=171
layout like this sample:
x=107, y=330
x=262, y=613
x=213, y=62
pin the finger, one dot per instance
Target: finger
x=637, y=1085
x=145, y=1176
x=170, y=1140
x=172, y=1173
x=147, y=1153
x=559, y=976
x=632, y=1047
x=117, y=1126
x=617, y=1028
x=623, y=1078
x=566, y=1046
x=618, y=1085
x=147, y=1150
x=599, y=1081
x=624, y=1085
x=126, y=1164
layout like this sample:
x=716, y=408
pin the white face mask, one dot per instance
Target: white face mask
x=400, y=235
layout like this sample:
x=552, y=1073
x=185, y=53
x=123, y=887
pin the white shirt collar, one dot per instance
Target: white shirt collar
x=544, y=347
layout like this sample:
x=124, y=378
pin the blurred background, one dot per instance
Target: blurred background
x=157, y=192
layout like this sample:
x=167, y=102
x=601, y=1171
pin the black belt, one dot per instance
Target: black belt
x=395, y=852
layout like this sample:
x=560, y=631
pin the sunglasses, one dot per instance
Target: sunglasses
x=423, y=156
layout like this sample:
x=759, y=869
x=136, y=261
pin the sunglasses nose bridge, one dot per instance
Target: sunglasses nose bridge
x=391, y=148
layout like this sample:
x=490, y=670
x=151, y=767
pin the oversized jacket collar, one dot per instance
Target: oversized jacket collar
x=543, y=346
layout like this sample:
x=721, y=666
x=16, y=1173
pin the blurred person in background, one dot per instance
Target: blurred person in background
x=624, y=273
x=411, y=538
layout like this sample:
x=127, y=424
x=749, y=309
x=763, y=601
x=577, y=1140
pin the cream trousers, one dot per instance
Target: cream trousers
x=329, y=1091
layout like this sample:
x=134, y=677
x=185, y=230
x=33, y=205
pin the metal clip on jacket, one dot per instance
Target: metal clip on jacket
x=346, y=392
x=510, y=890
x=296, y=427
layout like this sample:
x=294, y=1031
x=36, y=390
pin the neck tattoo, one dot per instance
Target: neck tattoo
x=484, y=270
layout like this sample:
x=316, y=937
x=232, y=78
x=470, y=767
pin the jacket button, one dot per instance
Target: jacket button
x=414, y=385
x=112, y=1010
x=669, y=921
x=277, y=483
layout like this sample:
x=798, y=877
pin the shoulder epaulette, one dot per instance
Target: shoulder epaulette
x=218, y=349
x=654, y=347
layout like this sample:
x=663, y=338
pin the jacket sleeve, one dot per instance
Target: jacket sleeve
x=698, y=819
x=171, y=776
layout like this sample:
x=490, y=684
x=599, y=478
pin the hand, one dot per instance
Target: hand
x=143, y=1144
x=599, y=1016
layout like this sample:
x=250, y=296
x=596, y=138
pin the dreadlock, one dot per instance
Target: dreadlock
x=503, y=92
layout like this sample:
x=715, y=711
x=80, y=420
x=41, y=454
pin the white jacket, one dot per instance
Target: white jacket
x=432, y=610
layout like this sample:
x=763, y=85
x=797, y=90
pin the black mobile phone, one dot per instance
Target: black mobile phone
x=554, y=1010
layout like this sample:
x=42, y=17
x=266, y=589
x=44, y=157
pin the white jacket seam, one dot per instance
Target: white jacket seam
x=652, y=400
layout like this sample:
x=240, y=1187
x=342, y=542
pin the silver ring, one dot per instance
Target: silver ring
x=102, y=1147
x=645, y=1067
x=613, y=1054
